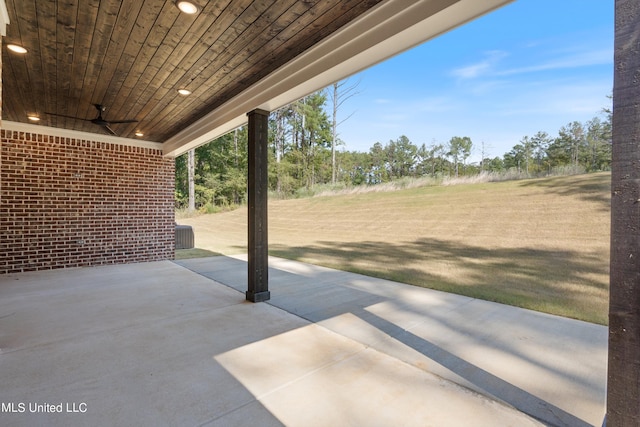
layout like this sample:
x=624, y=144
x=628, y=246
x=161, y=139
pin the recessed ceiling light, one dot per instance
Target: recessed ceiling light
x=16, y=48
x=187, y=7
x=138, y=133
x=33, y=118
x=184, y=92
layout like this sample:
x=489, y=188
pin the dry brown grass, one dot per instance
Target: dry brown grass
x=541, y=244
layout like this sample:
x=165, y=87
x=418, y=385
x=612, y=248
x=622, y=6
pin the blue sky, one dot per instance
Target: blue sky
x=533, y=65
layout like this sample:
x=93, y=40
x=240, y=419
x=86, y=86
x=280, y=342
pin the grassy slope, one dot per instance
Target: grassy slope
x=541, y=244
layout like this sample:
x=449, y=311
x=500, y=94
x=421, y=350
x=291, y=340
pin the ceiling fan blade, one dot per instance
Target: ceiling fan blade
x=122, y=121
x=111, y=131
x=106, y=124
x=68, y=117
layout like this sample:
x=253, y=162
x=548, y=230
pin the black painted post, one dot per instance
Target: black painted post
x=258, y=283
x=623, y=386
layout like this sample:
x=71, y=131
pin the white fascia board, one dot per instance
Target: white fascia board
x=4, y=18
x=388, y=29
x=86, y=136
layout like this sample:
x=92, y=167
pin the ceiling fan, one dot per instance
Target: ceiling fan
x=99, y=120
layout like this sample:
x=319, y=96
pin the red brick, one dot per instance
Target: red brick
x=58, y=191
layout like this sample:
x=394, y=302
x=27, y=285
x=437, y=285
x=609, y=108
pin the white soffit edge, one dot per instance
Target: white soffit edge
x=4, y=18
x=388, y=29
x=85, y=136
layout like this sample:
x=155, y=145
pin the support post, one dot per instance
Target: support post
x=623, y=386
x=258, y=283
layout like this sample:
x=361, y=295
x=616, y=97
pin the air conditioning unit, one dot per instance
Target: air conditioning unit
x=184, y=237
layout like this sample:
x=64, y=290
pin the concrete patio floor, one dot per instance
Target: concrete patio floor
x=175, y=344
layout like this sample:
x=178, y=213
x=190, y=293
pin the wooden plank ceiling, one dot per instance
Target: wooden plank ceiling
x=131, y=56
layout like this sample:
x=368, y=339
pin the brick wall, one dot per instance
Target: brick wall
x=66, y=203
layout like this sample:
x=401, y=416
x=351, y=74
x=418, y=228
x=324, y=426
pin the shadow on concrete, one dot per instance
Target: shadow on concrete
x=555, y=281
x=491, y=384
x=322, y=295
x=132, y=343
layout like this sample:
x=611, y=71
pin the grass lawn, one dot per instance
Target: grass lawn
x=541, y=244
x=194, y=253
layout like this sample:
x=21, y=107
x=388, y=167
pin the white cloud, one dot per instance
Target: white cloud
x=492, y=58
x=575, y=60
x=498, y=99
x=568, y=58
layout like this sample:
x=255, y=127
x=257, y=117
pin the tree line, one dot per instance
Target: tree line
x=303, y=141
